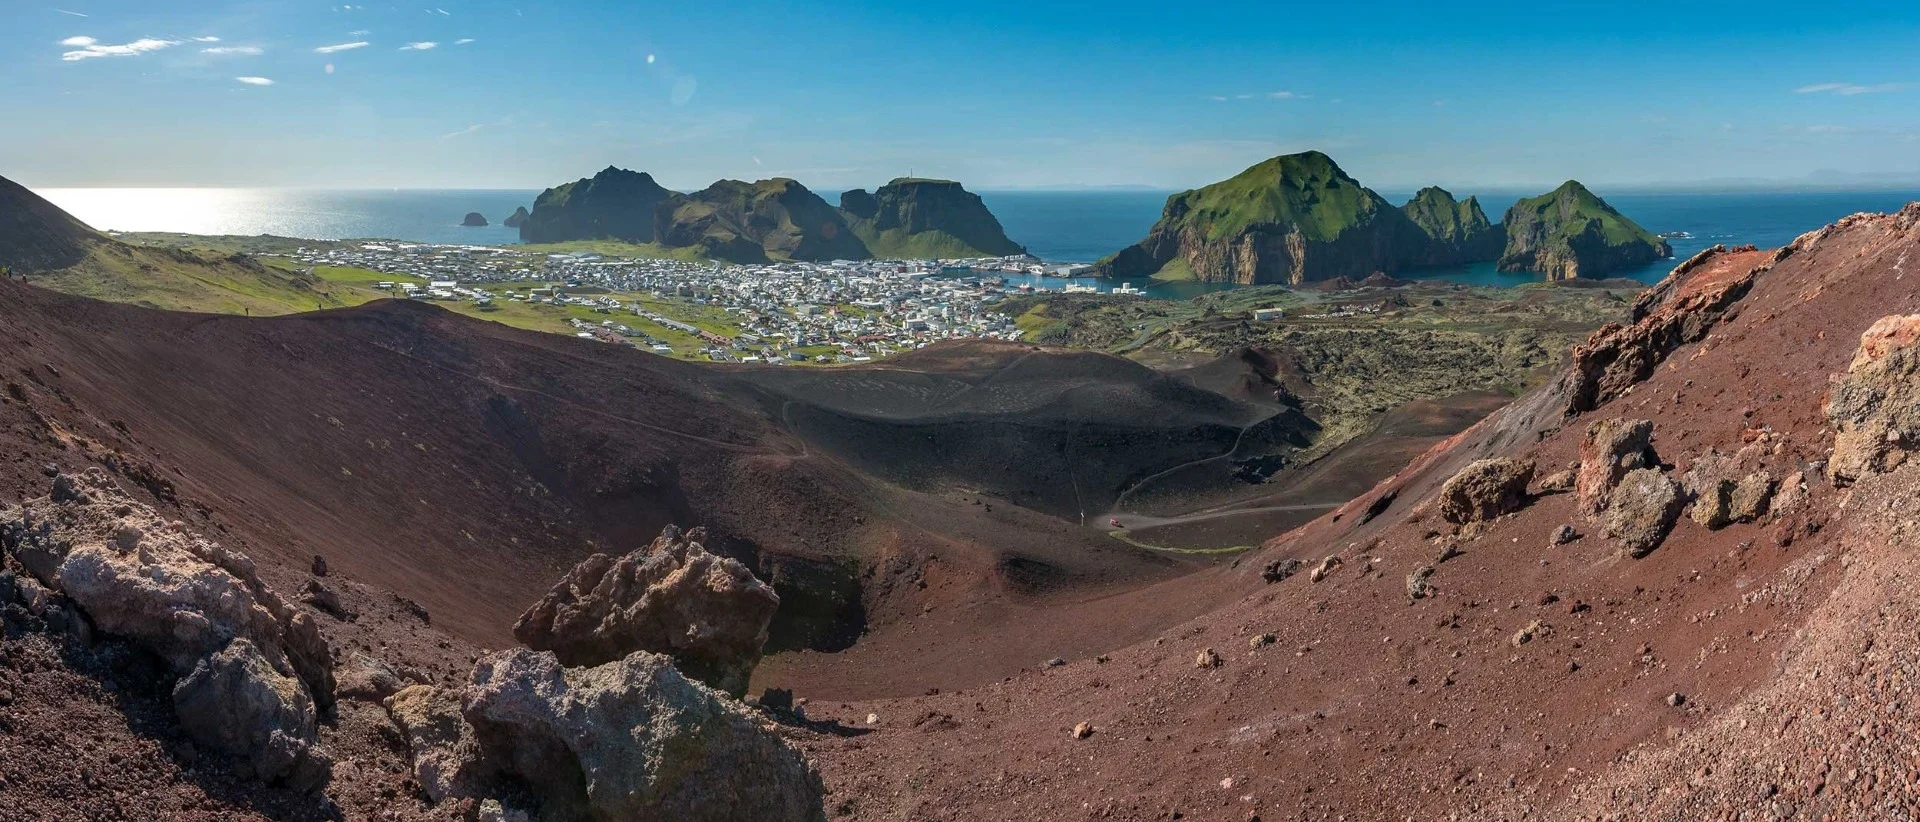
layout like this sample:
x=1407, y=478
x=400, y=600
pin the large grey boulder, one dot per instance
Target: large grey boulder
x=253, y=669
x=708, y=612
x=1485, y=489
x=634, y=739
x=234, y=701
x=446, y=758
x=1875, y=407
x=1643, y=509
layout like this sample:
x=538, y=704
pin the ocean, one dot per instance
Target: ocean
x=1057, y=226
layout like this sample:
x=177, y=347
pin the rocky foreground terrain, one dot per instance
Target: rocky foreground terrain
x=1676, y=581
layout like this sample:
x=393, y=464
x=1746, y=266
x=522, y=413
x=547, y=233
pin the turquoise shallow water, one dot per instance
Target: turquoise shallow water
x=1063, y=226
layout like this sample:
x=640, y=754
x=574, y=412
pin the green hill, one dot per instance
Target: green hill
x=1570, y=232
x=918, y=219
x=1455, y=232
x=615, y=204
x=1291, y=219
x=776, y=219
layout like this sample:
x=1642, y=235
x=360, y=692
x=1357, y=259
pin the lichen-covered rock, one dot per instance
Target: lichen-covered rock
x=707, y=612
x=236, y=702
x=634, y=739
x=1610, y=449
x=447, y=760
x=1875, y=407
x=1485, y=489
x=1643, y=509
x=253, y=670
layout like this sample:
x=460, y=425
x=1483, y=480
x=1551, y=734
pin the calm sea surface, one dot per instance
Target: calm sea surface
x=1062, y=226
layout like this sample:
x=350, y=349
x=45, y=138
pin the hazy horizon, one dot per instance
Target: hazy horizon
x=491, y=94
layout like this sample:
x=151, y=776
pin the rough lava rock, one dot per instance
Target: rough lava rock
x=673, y=597
x=1875, y=406
x=1485, y=489
x=634, y=739
x=1642, y=511
x=253, y=668
x=1611, y=448
x=447, y=759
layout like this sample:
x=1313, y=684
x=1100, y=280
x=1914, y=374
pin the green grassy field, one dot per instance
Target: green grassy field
x=206, y=281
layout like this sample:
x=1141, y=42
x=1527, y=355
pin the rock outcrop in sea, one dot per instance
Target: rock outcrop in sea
x=474, y=219
x=1568, y=232
x=517, y=219
x=1299, y=218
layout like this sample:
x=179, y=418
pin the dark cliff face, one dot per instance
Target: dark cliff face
x=516, y=219
x=1292, y=219
x=36, y=235
x=753, y=222
x=1569, y=232
x=926, y=218
x=615, y=204
x=1452, y=232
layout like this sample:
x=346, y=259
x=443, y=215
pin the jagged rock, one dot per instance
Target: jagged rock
x=708, y=612
x=1610, y=449
x=633, y=739
x=369, y=679
x=1279, y=569
x=254, y=668
x=1875, y=407
x=447, y=760
x=1671, y=314
x=1485, y=489
x=492, y=811
x=1564, y=534
x=236, y=702
x=1324, y=569
x=1418, y=586
x=1642, y=511
x=1561, y=481
x=319, y=595
x=1751, y=496
x=1207, y=658
x=1531, y=631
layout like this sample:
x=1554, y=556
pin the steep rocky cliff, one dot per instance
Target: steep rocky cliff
x=517, y=218
x=1292, y=219
x=1455, y=232
x=777, y=219
x=1569, y=232
x=615, y=204
x=913, y=218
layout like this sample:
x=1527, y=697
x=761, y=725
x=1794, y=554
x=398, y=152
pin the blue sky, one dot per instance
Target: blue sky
x=1030, y=94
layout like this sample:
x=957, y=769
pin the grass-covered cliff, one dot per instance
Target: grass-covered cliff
x=918, y=219
x=1569, y=232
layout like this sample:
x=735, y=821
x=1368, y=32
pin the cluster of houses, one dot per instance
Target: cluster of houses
x=841, y=311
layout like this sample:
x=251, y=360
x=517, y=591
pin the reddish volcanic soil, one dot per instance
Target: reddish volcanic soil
x=1370, y=705
x=450, y=470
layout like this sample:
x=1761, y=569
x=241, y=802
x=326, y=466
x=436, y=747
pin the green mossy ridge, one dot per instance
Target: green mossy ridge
x=1307, y=191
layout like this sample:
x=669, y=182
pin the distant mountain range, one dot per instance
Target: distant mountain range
x=771, y=220
x=1299, y=218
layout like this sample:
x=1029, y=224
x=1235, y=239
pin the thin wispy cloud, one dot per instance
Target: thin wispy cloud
x=420, y=46
x=1848, y=89
x=206, y=39
x=70, y=13
x=441, y=12
x=357, y=44
x=463, y=132
x=90, y=48
x=252, y=51
x=1271, y=95
x=254, y=81
x=463, y=41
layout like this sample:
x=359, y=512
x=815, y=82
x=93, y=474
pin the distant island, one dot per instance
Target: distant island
x=771, y=220
x=1299, y=218
x=474, y=220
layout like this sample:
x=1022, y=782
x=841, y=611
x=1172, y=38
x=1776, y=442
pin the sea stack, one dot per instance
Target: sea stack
x=474, y=220
x=1569, y=232
x=517, y=219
